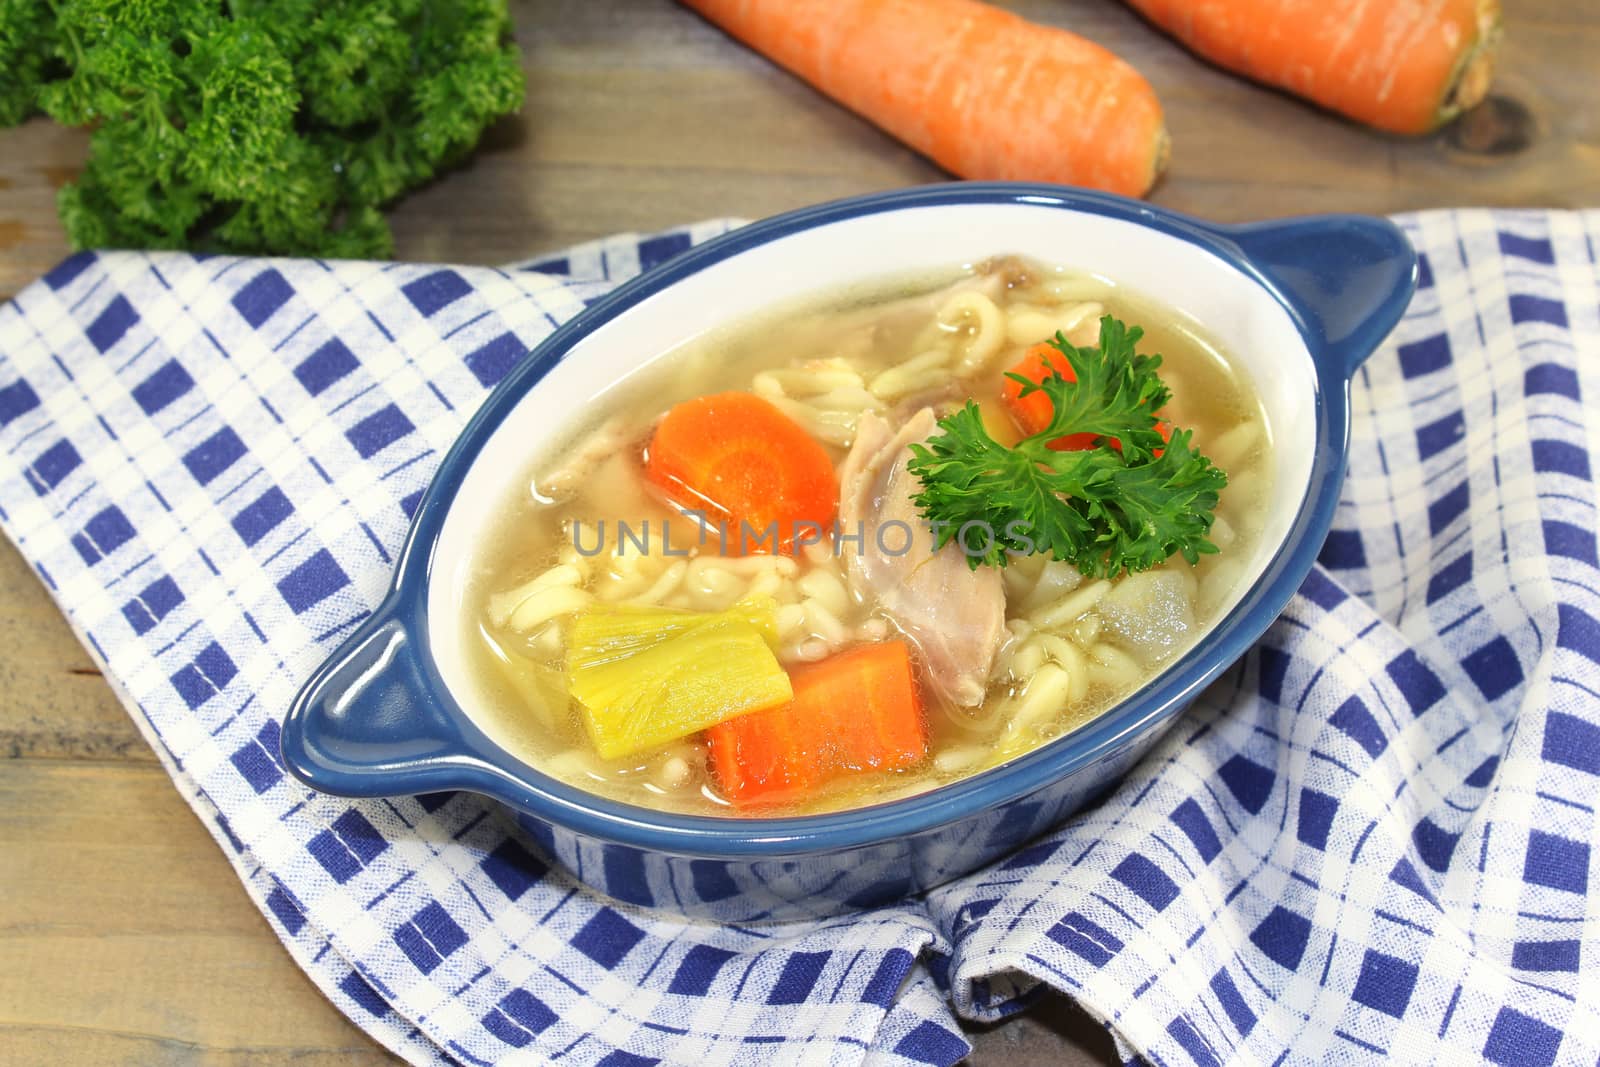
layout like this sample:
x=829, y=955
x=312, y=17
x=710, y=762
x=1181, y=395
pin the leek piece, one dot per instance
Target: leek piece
x=647, y=676
x=616, y=631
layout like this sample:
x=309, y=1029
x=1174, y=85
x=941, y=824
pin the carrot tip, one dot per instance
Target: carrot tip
x=1160, y=158
x=1472, y=83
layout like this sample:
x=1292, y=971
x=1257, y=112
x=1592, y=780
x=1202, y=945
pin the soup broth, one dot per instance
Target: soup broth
x=586, y=528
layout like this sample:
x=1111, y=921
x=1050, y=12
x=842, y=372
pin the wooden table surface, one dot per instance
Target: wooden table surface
x=127, y=937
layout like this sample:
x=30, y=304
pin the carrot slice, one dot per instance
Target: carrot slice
x=1032, y=413
x=857, y=710
x=746, y=464
x=980, y=91
x=1403, y=67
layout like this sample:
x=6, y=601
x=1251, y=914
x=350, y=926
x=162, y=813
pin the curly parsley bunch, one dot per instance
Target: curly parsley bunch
x=261, y=126
x=1124, y=505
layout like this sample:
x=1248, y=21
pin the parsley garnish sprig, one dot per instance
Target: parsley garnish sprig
x=1106, y=510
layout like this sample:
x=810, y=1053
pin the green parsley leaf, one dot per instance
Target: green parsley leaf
x=256, y=126
x=1107, y=510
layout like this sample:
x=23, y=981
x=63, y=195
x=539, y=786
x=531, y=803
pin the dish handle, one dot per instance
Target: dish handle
x=364, y=725
x=1349, y=276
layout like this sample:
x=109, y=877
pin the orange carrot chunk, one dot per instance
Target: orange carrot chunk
x=857, y=710
x=982, y=92
x=1404, y=67
x=744, y=463
x=1032, y=413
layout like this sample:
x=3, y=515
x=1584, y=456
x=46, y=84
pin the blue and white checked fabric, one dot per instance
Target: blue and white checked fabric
x=1372, y=838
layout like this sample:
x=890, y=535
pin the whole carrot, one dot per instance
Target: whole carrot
x=1406, y=66
x=980, y=91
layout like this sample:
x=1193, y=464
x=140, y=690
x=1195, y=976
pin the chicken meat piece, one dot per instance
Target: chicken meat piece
x=955, y=614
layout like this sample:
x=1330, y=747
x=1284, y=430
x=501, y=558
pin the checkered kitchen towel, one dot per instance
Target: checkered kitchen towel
x=1374, y=837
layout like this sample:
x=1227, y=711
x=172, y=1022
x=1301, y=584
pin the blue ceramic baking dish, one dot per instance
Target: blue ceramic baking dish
x=1300, y=302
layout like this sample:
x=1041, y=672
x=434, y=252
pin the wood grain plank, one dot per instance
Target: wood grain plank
x=36, y=159
x=128, y=939
x=55, y=702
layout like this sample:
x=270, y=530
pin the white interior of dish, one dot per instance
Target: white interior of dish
x=1234, y=310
